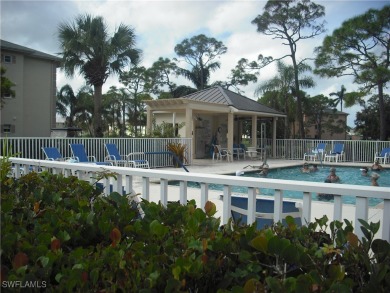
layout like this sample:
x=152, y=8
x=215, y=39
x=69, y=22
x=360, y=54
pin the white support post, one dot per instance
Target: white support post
x=337, y=208
x=145, y=188
x=386, y=219
x=106, y=186
x=226, y=212
x=360, y=213
x=183, y=192
x=129, y=184
x=278, y=205
x=204, y=194
x=251, y=205
x=118, y=186
x=164, y=191
x=306, y=208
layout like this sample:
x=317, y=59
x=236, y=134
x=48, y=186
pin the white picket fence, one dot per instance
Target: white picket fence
x=125, y=180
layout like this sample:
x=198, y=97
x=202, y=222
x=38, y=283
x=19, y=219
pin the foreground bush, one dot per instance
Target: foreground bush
x=62, y=234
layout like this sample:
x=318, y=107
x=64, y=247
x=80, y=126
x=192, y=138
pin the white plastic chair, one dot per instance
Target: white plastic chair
x=220, y=153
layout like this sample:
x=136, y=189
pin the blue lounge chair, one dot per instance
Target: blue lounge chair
x=264, y=211
x=317, y=153
x=81, y=156
x=336, y=154
x=114, y=156
x=383, y=156
x=53, y=154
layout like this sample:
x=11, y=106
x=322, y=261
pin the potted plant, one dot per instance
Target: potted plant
x=178, y=150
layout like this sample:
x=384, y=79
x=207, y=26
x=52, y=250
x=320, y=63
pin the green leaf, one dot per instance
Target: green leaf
x=158, y=229
x=260, y=243
x=58, y=277
x=276, y=245
x=43, y=260
x=78, y=266
x=337, y=272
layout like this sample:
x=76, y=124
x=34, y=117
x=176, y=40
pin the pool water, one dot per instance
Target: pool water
x=347, y=175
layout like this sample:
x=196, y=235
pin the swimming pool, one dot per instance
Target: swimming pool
x=348, y=175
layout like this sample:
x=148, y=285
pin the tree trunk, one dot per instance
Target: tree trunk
x=382, y=114
x=97, y=113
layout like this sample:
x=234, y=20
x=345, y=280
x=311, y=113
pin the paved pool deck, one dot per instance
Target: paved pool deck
x=208, y=166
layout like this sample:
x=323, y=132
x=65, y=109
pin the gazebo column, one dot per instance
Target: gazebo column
x=230, y=132
x=254, y=131
x=149, y=114
x=274, y=120
x=174, y=123
x=189, y=132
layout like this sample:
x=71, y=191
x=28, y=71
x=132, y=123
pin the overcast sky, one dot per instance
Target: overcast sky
x=160, y=25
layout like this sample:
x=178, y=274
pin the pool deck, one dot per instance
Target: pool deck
x=208, y=166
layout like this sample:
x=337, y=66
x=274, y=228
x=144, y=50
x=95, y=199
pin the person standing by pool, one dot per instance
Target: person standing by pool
x=332, y=177
x=374, y=179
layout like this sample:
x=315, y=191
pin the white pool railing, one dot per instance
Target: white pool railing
x=125, y=182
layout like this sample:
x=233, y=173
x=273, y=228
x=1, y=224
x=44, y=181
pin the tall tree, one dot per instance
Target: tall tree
x=360, y=48
x=239, y=76
x=290, y=21
x=161, y=74
x=137, y=83
x=367, y=119
x=320, y=112
x=284, y=84
x=69, y=104
x=200, y=53
x=6, y=87
x=87, y=47
x=340, y=97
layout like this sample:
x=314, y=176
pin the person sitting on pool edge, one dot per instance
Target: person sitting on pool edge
x=264, y=171
x=332, y=177
x=374, y=179
x=376, y=166
x=364, y=171
x=305, y=168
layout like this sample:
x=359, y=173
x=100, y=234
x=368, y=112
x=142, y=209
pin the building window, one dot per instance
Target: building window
x=7, y=128
x=8, y=59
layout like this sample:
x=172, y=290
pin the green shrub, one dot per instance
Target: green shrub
x=64, y=232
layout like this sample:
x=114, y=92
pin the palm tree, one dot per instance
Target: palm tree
x=340, y=97
x=284, y=84
x=68, y=103
x=87, y=47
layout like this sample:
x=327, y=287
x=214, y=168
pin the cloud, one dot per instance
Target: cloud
x=160, y=25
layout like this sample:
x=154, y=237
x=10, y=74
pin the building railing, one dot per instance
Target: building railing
x=361, y=151
x=31, y=147
x=126, y=181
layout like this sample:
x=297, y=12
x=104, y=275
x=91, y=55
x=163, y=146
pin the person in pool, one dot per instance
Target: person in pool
x=314, y=168
x=332, y=177
x=305, y=168
x=374, y=179
x=364, y=171
x=376, y=166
